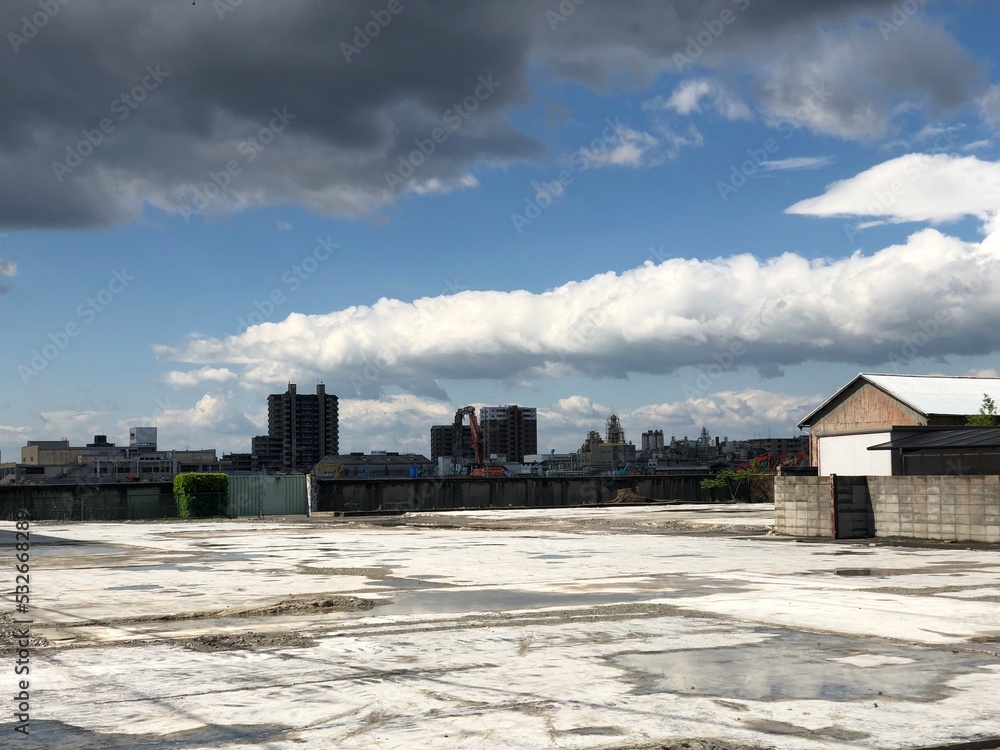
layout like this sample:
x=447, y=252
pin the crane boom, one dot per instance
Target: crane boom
x=476, y=435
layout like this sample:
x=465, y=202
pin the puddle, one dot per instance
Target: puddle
x=680, y=554
x=399, y=583
x=793, y=666
x=605, y=731
x=176, y=567
x=495, y=600
x=66, y=550
x=846, y=552
x=877, y=572
x=934, y=569
x=137, y=587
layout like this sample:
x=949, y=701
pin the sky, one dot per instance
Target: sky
x=690, y=214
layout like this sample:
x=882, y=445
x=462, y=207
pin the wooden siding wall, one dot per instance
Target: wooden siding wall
x=862, y=409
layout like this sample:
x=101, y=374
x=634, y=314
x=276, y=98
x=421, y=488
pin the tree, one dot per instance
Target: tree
x=987, y=416
x=732, y=480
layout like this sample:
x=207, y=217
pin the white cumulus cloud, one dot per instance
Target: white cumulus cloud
x=654, y=319
x=217, y=420
x=798, y=162
x=194, y=378
x=629, y=148
x=914, y=187
x=691, y=95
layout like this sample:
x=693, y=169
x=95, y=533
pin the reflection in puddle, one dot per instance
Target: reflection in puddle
x=399, y=583
x=137, y=587
x=886, y=572
x=875, y=572
x=61, y=549
x=463, y=601
x=801, y=667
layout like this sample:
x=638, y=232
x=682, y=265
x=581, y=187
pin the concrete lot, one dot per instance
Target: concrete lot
x=647, y=627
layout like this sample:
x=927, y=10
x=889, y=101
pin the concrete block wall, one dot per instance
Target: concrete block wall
x=803, y=506
x=937, y=508
x=942, y=508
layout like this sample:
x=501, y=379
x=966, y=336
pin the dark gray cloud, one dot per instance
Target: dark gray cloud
x=211, y=76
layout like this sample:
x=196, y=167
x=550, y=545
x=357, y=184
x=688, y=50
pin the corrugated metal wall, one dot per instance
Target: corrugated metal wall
x=267, y=496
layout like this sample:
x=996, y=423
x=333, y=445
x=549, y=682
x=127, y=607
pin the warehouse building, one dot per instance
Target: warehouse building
x=875, y=409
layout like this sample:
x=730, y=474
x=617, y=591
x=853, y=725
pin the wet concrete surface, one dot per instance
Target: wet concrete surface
x=465, y=601
x=610, y=630
x=800, y=666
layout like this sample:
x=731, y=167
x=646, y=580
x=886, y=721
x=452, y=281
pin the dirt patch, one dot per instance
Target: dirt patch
x=584, y=524
x=247, y=641
x=985, y=644
x=366, y=572
x=10, y=634
x=304, y=605
x=699, y=744
x=296, y=605
x=627, y=495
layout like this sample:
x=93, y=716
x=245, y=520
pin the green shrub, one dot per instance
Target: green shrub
x=201, y=495
x=731, y=480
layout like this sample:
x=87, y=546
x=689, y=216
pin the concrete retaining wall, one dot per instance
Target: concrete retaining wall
x=366, y=496
x=942, y=508
x=128, y=501
x=116, y=502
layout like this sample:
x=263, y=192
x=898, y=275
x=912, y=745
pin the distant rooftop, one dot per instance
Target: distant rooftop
x=373, y=458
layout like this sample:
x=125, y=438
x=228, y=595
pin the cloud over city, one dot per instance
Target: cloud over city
x=764, y=315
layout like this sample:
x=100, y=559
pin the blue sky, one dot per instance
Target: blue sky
x=650, y=281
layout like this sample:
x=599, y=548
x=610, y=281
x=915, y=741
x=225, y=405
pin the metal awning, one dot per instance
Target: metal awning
x=977, y=438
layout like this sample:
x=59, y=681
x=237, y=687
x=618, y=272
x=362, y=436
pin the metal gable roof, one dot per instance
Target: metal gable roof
x=936, y=394
x=927, y=394
x=960, y=437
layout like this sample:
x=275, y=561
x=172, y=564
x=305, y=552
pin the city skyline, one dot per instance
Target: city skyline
x=685, y=216
x=132, y=430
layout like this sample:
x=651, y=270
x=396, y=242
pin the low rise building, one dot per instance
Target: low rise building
x=375, y=465
x=58, y=462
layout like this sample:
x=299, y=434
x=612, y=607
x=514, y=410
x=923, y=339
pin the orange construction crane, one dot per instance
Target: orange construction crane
x=476, y=435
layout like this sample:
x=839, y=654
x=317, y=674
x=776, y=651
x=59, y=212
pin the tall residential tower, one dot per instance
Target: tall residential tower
x=301, y=429
x=510, y=431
